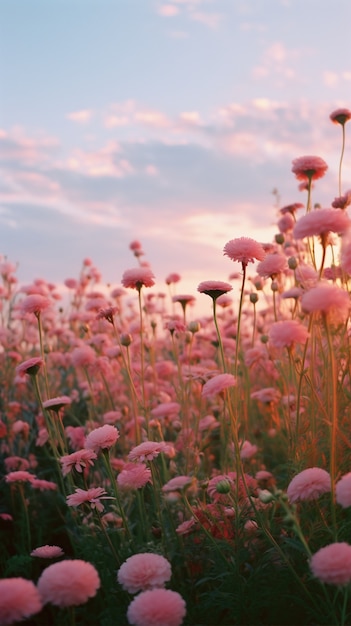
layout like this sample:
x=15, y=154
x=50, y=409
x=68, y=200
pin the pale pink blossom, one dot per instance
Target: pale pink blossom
x=43, y=485
x=332, y=564
x=83, y=356
x=20, y=476
x=214, y=288
x=247, y=450
x=144, y=571
x=57, y=403
x=217, y=384
x=147, y=451
x=34, y=303
x=286, y=333
x=343, y=491
x=320, y=222
x=76, y=436
x=102, y=438
x=93, y=496
x=13, y=463
x=267, y=395
x=157, y=607
x=19, y=599
x=244, y=250
x=134, y=476
x=47, y=552
x=68, y=583
x=137, y=277
x=328, y=299
x=286, y=223
x=78, y=460
x=186, y=527
x=172, y=278
x=165, y=409
x=178, y=483
x=309, y=484
x=308, y=168
x=272, y=265
x=30, y=366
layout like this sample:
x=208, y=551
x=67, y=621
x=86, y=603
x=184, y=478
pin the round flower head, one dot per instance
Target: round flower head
x=340, y=116
x=102, y=438
x=217, y=384
x=328, y=299
x=309, y=484
x=214, y=288
x=134, y=476
x=55, y=404
x=30, y=366
x=82, y=356
x=343, y=491
x=138, y=277
x=147, y=451
x=272, y=265
x=144, y=571
x=47, y=552
x=157, y=607
x=79, y=460
x=19, y=599
x=244, y=249
x=68, y=583
x=308, y=168
x=320, y=222
x=332, y=564
x=34, y=303
x=286, y=333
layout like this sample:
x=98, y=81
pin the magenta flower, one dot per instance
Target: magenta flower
x=138, y=277
x=332, y=564
x=244, y=249
x=308, y=168
x=309, y=484
x=68, y=583
x=19, y=599
x=217, y=384
x=144, y=571
x=157, y=607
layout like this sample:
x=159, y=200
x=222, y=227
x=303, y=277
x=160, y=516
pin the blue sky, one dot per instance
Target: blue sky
x=169, y=122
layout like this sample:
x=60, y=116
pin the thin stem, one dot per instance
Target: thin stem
x=220, y=342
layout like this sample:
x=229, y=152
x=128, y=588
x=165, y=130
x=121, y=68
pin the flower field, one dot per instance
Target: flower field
x=159, y=469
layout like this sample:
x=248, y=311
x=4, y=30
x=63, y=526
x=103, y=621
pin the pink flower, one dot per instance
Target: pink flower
x=83, y=356
x=345, y=260
x=320, y=222
x=343, y=491
x=165, y=409
x=93, y=496
x=308, y=168
x=43, y=485
x=47, y=552
x=309, y=484
x=178, y=483
x=214, y=288
x=286, y=333
x=267, y=395
x=78, y=460
x=272, y=265
x=244, y=249
x=332, y=564
x=328, y=299
x=30, y=366
x=144, y=571
x=157, y=607
x=340, y=116
x=102, y=438
x=57, y=403
x=173, y=278
x=138, y=277
x=20, y=476
x=68, y=583
x=341, y=202
x=35, y=303
x=147, y=451
x=134, y=476
x=247, y=450
x=217, y=384
x=19, y=599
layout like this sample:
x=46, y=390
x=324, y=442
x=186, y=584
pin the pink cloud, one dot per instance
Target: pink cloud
x=81, y=117
x=168, y=10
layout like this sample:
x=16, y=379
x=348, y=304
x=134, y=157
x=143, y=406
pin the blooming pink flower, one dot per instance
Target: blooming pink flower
x=340, y=116
x=57, y=403
x=247, y=450
x=186, y=527
x=76, y=436
x=138, y=277
x=83, y=356
x=68, y=583
x=30, y=366
x=214, y=288
x=308, y=168
x=47, y=552
x=173, y=278
x=147, y=451
x=102, y=438
x=286, y=223
x=13, y=463
x=217, y=384
x=78, y=460
x=286, y=333
x=328, y=299
x=94, y=495
x=157, y=607
x=144, y=571
x=332, y=564
x=272, y=265
x=321, y=221
x=19, y=599
x=165, y=409
x=34, y=303
x=341, y=202
x=309, y=484
x=343, y=491
x=20, y=476
x=43, y=485
x=134, y=476
x=267, y=395
x=244, y=249
x=177, y=483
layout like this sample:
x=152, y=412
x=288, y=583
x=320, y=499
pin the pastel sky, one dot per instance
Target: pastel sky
x=170, y=122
